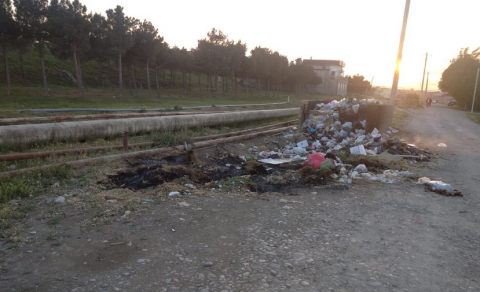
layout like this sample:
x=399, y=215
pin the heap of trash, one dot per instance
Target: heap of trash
x=341, y=126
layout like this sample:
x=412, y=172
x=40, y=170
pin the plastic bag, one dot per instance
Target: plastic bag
x=440, y=185
x=361, y=168
x=314, y=160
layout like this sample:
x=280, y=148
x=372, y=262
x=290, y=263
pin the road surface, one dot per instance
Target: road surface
x=371, y=237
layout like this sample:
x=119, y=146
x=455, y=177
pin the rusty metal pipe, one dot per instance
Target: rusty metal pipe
x=202, y=138
x=31, y=155
x=143, y=153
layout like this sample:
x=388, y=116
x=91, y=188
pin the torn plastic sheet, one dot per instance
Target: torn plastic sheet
x=276, y=161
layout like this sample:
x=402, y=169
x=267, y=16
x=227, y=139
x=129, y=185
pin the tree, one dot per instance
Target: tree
x=279, y=70
x=236, y=54
x=458, y=79
x=147, y=44
x=98, y=44
x=357, y=84
x=32, y=18
x=120, y=37
x=70, y=27
x=161, y=57
x=301, y=74
x=261, y=64
x=211, y=56
x=8, y=28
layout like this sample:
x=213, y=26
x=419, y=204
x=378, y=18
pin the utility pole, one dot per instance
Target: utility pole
x=423, y=78
x=475, y=91
x=393, y=95
x=371, y=85
x=426, y=86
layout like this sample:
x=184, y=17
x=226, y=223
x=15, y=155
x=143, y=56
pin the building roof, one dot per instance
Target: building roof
x=324, y=62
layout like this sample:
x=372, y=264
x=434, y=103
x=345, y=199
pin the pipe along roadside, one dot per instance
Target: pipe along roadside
x=31, y=120
x=21, y=135
x=125, y=146
x=150, y=152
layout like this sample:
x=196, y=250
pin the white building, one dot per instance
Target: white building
x=331, y=72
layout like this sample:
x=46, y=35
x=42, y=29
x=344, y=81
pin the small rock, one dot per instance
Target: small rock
x=184, y=204
x=275, y=266
x=207, y=264
x=127, y=213
x=60, y=200
x=305, y=283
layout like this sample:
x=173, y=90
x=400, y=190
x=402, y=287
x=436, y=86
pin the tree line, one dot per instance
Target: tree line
x=459, y=78
x=123, y=44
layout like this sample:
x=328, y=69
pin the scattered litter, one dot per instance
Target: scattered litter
x=302, y=144
x=439, y=187
x=314, y=160
x=184, y=204
x=328, y=164
x=361, y=168
x=171, y=194
x=423, y=180
x=277, y=161
x=358, y=150
x=298, y=158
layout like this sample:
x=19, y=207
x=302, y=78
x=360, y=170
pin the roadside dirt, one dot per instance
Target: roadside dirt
x=366, y=237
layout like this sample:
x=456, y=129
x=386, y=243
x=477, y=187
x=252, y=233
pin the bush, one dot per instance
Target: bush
x=16, y=187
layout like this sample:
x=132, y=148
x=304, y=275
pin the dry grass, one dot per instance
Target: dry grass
x=474, y=117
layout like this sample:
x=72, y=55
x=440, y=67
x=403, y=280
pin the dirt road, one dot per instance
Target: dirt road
x=370, y=237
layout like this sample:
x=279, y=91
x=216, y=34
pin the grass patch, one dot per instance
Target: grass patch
x=172, y=138
x=407, y=104
x=474, y=117
x=16, y=187
x=398, y=117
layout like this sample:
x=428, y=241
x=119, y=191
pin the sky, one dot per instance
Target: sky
x=364, y=34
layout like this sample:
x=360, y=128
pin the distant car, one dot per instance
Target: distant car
x=452, y=103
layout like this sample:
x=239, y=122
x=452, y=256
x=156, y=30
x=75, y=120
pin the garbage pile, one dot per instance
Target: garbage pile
x=332, y=147
x=340, y=126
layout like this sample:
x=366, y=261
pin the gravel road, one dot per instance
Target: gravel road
x=370, y=237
